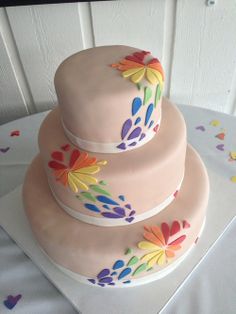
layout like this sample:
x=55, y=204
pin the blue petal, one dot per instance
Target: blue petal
x=106, y=200
x=92, y=207
x=124, y=273
x=136, y=105
x=149, y=113
x=118, y=264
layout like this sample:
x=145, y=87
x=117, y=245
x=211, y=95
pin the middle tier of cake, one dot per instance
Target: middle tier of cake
x=115, y=189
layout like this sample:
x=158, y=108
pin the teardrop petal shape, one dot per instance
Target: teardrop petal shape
x=135, y=133
x=118, y=264
x=106, y=200
x=125, y=128
x=92, y=207
x=149, y=113
x=124, y=273
x=136, y=105
x=103, y=273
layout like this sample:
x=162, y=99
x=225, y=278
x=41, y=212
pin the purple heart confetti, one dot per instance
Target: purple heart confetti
x=201, y=128
x=221, y=147
x=11, y=301
x=4, y=150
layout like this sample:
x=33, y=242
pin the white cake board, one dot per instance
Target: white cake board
x=149, y=298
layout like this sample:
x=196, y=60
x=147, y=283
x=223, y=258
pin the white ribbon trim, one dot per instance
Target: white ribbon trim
x=111, y=222
x=134, y=282
x=107, y=147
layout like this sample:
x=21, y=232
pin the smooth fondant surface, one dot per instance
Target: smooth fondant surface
x=87, y=249
x=146, y=177
x=95, y=99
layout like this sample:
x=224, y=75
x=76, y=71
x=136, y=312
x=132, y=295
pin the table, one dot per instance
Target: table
x=214, y=135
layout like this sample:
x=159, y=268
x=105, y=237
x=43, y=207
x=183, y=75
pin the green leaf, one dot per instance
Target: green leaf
x=147, y=95
x=128, y=251
x=133, y=261
x=98, y=189
x=102, y=182
x=138, y=86
x=158, y=94
x=89, y=196
x=139, y=269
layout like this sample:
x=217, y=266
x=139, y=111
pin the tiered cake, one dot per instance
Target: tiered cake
x=115, y=197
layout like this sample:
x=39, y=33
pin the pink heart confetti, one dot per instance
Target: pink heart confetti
x=201, y=128
x=220, y=147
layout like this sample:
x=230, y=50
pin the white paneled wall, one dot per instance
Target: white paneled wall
x=196, y=44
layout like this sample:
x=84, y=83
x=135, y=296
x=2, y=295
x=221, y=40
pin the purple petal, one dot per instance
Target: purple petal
x=133, y=144
x=119, y=210
x=132, y=213
x=129, y=219
x=142, y=136
x=110, y=215
x=103, y=273
x=135, y=133
x=121, y=146
x=92, y=281
x=125, y=128
x=128, y=206
x=106, y=280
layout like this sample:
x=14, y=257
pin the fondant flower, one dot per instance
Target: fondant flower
x=159, y=245
x=79, y=173
x=134, y=67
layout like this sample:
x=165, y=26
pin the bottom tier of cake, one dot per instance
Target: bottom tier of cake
x=118, y=256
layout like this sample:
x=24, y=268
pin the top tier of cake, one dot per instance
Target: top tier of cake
x=110, y=98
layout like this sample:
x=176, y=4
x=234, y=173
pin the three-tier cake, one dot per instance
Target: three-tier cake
x=116, y=196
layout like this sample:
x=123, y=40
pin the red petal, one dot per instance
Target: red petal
x=166, y=231
x=154, y=60
x=58, y=156
x=56, y=165
x=74, y=156
x=186, y=224
x=132, y=58
x=178, y=241
x=140, y=55
x=65, y=147
x=175, y=228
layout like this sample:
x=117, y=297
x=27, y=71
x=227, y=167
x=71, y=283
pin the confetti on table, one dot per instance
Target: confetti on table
x=221, y=136
x=233, y=179
x=15, y=133
x=4, y=149
x=221, y=147
x=201, y=128
x=215, y=123
x=232, y=155
x=11, y=301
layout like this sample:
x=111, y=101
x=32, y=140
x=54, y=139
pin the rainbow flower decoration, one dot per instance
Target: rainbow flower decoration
x=159, y=245
x=133, y=67
x=79, y=173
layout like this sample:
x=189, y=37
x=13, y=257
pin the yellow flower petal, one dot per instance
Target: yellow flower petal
x=102, y=162
x=86, y=178
x=145, y=245
x=130, y=72
x=161, y=259
x=156, y=258
x=149, y=256
x=137, y=77
x=88, y=170
x=152, y=78
x=157, y=74
x=75, y=182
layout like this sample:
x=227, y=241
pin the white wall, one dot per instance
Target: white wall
x=196, y=44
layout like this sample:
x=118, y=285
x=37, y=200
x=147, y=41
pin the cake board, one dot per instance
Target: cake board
x=149, y=298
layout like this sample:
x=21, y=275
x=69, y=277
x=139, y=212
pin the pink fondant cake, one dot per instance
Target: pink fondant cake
x=115, y=197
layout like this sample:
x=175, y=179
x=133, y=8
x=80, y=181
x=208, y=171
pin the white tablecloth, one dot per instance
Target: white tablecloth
x=211, y=286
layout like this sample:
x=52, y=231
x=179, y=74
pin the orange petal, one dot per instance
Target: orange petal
x=174, y=247
x=88, y=162
x=131, y=63
x=151, y=237
x=83, y=156
x=158, y=233
x=169, y=253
